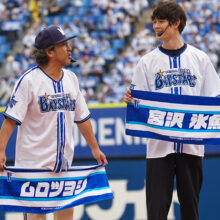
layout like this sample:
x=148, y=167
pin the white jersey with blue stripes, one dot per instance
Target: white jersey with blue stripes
x=189, y=73
x=46, y=110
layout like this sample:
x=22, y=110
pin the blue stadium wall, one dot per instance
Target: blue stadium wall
x=126, y=170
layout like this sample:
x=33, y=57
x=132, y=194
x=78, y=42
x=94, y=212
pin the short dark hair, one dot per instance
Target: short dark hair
x=40, y=56
x=170, y=11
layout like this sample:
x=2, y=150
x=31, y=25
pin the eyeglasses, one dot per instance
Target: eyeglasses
x=62, y=44
x=51, y=48
x=65, y=43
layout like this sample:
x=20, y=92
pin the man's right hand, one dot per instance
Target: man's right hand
x=6, y=130
x=2, y=161
x=128, y=97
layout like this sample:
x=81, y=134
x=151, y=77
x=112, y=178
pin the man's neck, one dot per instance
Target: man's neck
x=53, y=71
x=174, y=43
x=173, y=53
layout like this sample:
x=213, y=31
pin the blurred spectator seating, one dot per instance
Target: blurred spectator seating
x=108, y=43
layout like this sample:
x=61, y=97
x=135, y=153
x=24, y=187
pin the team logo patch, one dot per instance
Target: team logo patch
x=60, y=30
x=12, y=102
x=174, y=77
x=132, y=86
x=56, y=102
x=136, y=103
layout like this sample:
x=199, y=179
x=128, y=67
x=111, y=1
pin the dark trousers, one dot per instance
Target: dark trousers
x=160, y=181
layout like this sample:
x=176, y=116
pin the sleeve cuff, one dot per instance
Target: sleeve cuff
x=9, y=116
x=85, y=119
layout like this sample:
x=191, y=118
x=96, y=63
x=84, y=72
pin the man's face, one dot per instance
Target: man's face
x=62, y=53
x=160, y=27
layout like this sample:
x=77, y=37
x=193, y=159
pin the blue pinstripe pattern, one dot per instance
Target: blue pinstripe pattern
x=179, y=60
x=60, y=150
x=58, y=142
x=170, y=60
x=58, y=88
x=175, y=63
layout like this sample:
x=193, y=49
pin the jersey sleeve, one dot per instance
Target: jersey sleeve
x=17, y=106
x=82, y=112
x=139, y=79
x=211, y=85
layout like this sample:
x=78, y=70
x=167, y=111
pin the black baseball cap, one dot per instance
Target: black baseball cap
x=50, y=36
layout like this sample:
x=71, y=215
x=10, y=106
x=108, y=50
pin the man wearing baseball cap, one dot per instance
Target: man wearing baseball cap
x=45, y=103
x=49, y=36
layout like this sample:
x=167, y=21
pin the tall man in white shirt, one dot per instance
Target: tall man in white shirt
x=45, y=103
x=176, y=68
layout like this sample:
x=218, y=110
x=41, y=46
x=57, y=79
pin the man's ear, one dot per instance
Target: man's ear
x=49, y=52
x=176, y=24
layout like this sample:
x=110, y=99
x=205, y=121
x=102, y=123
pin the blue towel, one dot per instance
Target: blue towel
x=177, y=118
x=43, y=191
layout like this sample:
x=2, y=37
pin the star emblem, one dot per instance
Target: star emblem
x=46, y=96
x=161, y=73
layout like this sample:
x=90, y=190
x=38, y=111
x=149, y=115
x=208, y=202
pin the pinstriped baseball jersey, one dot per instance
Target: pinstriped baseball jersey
x=46, y=110
x=188, y=73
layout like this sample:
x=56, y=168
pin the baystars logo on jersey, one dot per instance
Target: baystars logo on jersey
x=57, y=102
x=174, y=77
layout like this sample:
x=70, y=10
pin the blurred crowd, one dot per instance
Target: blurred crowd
x=111, y=38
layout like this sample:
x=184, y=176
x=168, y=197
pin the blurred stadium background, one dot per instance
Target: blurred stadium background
x=112, y=36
